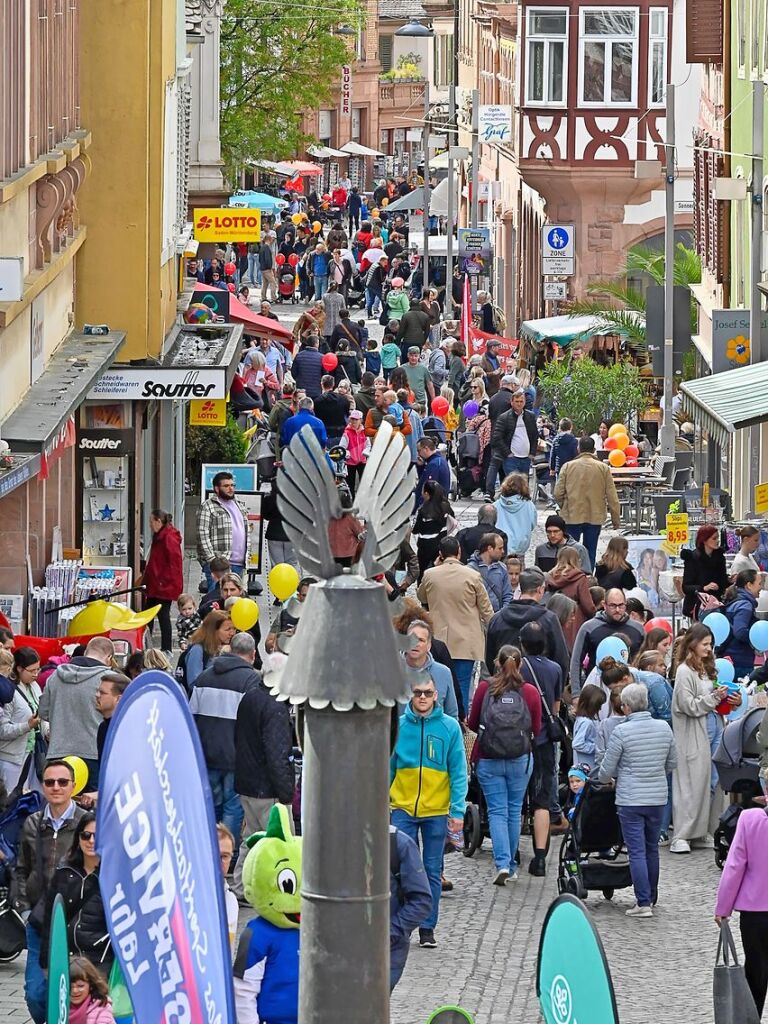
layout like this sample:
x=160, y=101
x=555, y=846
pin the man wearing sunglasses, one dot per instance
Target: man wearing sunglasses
x=45, y=839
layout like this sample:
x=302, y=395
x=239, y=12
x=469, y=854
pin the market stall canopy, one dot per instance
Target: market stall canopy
x=302, y=167
x=438, y=200
x=239, y=313
x=355, y=149
x=325, y=152
x=257, y=201
x=727, y=402
x=565, y=329
x=411, y=201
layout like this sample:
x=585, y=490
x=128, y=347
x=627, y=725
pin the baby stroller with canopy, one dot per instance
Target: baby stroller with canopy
x=468, y=468
x=286, y=283
x=13, y=934
x=737, y=761
x=594, y=828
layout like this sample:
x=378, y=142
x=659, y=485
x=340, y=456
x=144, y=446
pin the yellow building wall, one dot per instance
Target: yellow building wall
x=15, y=360
x=14, y=228
x=127, y=54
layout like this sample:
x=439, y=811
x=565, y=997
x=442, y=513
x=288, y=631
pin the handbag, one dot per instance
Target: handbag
x=554, y=727
x=731, y=994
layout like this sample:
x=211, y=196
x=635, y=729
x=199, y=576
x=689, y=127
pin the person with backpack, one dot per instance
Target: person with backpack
x=205, y=643
x=410, y=899
x=506, y=715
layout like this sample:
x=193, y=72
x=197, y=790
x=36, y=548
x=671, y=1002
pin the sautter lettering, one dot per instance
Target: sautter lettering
x=187, y=388
x=100, y=444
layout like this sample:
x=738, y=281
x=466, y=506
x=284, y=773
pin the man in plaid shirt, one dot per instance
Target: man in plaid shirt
x=222, y=528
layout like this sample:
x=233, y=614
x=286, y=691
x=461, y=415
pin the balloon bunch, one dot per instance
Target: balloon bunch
x=622, y=451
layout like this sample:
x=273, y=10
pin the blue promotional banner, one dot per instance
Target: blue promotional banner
x=160, y=877
x=573, y=981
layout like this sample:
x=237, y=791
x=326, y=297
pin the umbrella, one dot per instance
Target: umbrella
x=302, y=167
x=412, y=201
x=257, y=201
x=373, y=255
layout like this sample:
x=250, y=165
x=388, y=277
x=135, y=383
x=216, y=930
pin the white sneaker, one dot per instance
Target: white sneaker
x=639, y=912
x=513, y=876
x=706, y=842
x=679, y=846
x=501, y=877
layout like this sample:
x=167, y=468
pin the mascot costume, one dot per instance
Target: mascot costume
x=267, y=961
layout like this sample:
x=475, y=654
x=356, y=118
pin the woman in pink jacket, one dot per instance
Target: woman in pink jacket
x=743, y=888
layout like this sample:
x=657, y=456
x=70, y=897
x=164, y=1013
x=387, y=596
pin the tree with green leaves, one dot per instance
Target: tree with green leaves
x=278, y=61
x=586, y=392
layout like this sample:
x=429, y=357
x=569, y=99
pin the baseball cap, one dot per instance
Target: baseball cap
x=414, y=348
x=355, y=415
x=493, y=343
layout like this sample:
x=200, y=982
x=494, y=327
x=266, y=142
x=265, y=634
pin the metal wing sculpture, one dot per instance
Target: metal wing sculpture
x=385, y=500
x=308, y=500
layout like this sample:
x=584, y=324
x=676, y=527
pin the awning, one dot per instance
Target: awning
x=727, y=402
x=239, y=313
x=325, y=152
x=565, y=329
x=411, y=201
x=257, y=201
x=355, y=149
x=302, y=167
x=438, y=200
x=71, y=371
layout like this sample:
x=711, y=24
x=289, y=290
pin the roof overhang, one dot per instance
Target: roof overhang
x=729, y=401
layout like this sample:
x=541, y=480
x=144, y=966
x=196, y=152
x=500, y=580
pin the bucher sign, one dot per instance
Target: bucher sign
x=219, y=224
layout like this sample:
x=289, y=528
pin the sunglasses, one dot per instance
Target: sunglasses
x=50, y=783
x=423, y=693
x=87, y=836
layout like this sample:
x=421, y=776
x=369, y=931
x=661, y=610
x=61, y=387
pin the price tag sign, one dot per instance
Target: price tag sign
x=677, y=532
x=761, y=498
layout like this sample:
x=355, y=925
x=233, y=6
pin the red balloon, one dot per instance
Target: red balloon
x=632, y=462
x=610, y=444
x=293, y=259
x=440, y=406
x=229, y=268
x=330, y=362
x=631, y=451
x=279, y=259
x=664, y=624
x=231, y=286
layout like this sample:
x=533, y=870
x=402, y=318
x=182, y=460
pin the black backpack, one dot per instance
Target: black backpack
x=180, y=673
x=505, y=726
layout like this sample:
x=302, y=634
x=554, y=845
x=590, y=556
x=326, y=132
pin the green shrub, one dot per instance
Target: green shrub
x=214, y=444
x=585, y=392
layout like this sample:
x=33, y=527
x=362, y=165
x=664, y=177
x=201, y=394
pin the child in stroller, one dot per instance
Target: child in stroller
x=17, y=808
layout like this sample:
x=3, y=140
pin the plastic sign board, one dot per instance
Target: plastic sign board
x=761, y=498
x=474, y=251
x=495, y=123
x=557, y=250
x=227, y=224
x=555, y=291
x=208, y=412
x=677, y=533
x=162, y=383
x=573, y=989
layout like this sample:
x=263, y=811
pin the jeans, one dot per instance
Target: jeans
x=235, y=567
x=587, y=534
x=35, y=984
x=504, y=783
x=372, y=301
x=282, y=551
x=494, y=465
x=226, y=802
x=433, y=832
x=715, y=734
x=641, y=828
x=464, y=667
x=321, y=285
x=514, y=465
x=254, y=270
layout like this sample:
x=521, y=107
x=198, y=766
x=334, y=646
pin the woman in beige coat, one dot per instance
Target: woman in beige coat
x=695, y=804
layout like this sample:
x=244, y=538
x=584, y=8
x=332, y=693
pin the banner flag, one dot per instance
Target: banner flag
x=466, y=317
x=160, y=878
x=573, y=989
x=58, y=965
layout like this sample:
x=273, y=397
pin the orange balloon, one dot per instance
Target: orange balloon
x=610, y=444
x=617, y=428
x=622, y=441
x=617, y=458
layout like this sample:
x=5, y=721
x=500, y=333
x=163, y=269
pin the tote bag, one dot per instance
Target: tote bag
x=732, y=997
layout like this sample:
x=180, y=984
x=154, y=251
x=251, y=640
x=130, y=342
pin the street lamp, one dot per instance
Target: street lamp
x=415, y=30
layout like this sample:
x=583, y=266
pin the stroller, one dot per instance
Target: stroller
x=737, y=761
x=286, y=284
x=356, y=292
x=594, y=828
x=262, y=453
x=13, y=935
x=468, y=469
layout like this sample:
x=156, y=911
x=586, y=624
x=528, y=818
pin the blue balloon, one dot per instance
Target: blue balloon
x=758, y=635
x=612, y=647
x=720, y=626
x=726, y=673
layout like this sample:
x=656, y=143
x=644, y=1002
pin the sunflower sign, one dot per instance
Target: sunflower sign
x=737, y=350
x=731, y=333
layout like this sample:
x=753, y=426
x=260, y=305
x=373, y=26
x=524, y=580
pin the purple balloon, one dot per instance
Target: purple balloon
x=471, y=409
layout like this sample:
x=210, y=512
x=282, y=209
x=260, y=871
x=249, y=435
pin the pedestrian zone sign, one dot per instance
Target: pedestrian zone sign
x=557, y=250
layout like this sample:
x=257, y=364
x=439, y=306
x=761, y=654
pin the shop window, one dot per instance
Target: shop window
x=657, y=57
x=547, y=38
x=608, y=57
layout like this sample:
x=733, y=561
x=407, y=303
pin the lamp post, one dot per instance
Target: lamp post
x=415, y=30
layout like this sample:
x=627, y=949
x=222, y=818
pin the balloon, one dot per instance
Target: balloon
x=631, y=451
x=231, y=287
x=326, y=195
x=80, y=768
x=440, y=406
x=617, y=428
x=612, y=647
x=719, y=626
x=622, y=441
x=98, y=617
x=280, y=259
x=283, y=580
x=664, y=624
x=385, y=201
x=617, y=458
x=229, y=269
x=244, y=614
x=296, y=218
x=470, y=409
x=330, y=362
x=375, y=212
x=724, y=708
x=198, y=313
x=726, y=673
x=632, y=462
x=317, y=227
x=610, y=444
x=293, y=259
x=758, y=635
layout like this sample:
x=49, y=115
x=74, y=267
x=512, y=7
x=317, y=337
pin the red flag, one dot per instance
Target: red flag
x=466, y=316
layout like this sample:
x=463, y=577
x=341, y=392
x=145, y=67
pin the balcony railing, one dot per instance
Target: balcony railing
x=396, y=95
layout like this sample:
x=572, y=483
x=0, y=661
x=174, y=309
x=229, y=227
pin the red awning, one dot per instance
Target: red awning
x=239, y=313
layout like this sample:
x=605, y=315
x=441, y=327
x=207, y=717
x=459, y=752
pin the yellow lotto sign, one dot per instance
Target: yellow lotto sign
x=208, y=412
x=220, y=224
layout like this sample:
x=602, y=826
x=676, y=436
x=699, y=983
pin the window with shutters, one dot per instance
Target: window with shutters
x=443, y=61
x=385, y=53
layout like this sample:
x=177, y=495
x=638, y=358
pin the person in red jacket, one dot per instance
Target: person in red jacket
x=163, y=577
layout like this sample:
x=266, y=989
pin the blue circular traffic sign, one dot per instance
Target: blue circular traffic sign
x=558, y=238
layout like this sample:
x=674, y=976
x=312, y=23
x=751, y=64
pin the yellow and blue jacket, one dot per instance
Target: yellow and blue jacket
x=428, y=769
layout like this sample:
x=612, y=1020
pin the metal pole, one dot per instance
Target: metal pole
x=755, y=302
x=668, y=429
x=425, y=136
x=451, y=215
x=474, y=205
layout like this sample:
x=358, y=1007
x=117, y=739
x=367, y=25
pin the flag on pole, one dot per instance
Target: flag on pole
x=466, y=316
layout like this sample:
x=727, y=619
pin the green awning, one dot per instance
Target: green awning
x=727, y=402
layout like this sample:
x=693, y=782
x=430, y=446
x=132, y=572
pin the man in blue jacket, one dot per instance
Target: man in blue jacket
x=304, y=417
x=307, y=367
x=565, y=448
x=434, y=466
x=487, y=560
x=410, y=899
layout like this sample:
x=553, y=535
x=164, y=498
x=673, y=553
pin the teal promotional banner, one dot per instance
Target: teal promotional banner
x=573, y=981
x=58, y=966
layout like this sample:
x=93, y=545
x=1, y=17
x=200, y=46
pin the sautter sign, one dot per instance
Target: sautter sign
x=163, y=383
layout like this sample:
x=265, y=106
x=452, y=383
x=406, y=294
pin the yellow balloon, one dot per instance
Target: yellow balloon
x=296, y=218
x=317, y=227
x=98, y=617
x=135, y=620
x=622, y=440
x=617, y=428
x=617, y=458
x=244, y=614
x=80, y=768
x=375, y=212
x=283, y=581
